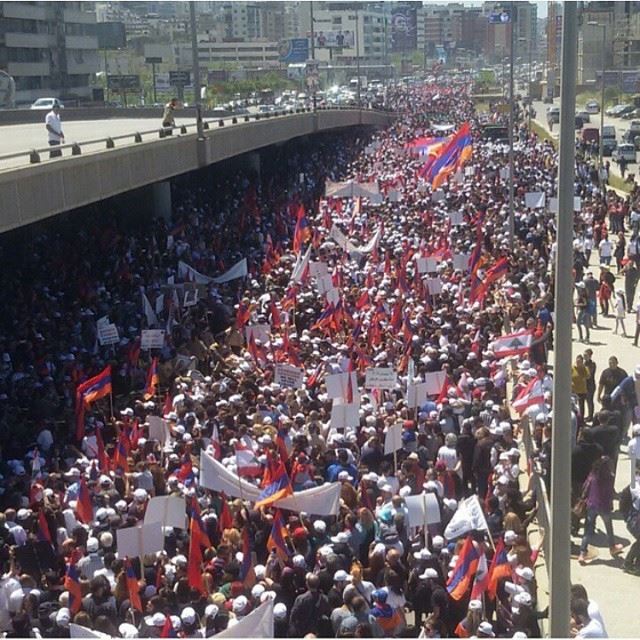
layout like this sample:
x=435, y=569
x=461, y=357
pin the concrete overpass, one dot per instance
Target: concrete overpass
x=47, y=187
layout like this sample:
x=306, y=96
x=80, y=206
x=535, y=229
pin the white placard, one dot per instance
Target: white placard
x=427, y=265
x=288, y=376
x=169, y=511
x=416, y=394
x=135, y=542
x=434, y=285
x=422, y=509
x=458, y=177
x=504, y=173
x=152, y=339
x=422, y=187
x=345, y=415
x=190, y=298
x=101, y=322
x=461, y=261
x=259, y=331
x=380, y=378
x=554, y=205
x=469, y=171
x=393, y=195
x=577, y=203
x=457, y=218
x=534, y=200
x=437, y=195
x=324, y=283
x=393, y=438
x=317, y=269
x=336, y=384
x=434, y=381
x=158, y=429
x=108, y=334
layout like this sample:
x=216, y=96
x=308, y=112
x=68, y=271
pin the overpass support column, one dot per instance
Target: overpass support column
x=253, y=162
x=161, y=198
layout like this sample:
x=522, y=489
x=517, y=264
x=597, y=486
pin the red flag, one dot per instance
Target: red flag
x=225, y=519
x=168, y=630
x=84, y=509
x=168, y=405
x=44, y=534
x=349, y=397
x=275, y=316
x=103, y=458
x=72, y=584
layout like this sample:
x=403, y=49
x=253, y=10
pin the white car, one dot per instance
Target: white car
x=626, y=151
x=592, y=107
x=46, y=103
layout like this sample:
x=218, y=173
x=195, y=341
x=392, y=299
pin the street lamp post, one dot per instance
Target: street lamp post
x=358, y=55
x=511, y=222
x=196, y=69
x=602, y=80
x=560, y=499
x=313, y=56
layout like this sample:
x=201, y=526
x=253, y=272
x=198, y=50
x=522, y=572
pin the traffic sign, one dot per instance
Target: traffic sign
x=179, y=78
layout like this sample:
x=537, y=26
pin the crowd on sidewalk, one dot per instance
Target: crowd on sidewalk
x=264, y=378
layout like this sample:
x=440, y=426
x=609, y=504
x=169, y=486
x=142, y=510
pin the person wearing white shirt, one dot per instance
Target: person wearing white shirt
x=54, y=129
x=606, y=251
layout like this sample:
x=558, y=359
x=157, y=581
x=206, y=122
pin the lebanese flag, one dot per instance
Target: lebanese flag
x=247, y=463
x=513, y=344
x=531, y=395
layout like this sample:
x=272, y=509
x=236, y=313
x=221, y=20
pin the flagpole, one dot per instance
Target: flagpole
x=111, y=404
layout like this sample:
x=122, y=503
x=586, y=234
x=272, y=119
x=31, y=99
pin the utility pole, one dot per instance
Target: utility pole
x=313, y=53
x=358, y=54
x=512, y=231
x=196, y=68
x=560, y=499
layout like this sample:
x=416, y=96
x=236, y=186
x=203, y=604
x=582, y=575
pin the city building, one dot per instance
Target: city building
x=246, y=54
x=251, y=20
x=50, y=48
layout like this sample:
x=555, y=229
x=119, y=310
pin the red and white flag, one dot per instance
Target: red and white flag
x=247, y=463
x=531, y=395
x=481, y=581
x=512, y=344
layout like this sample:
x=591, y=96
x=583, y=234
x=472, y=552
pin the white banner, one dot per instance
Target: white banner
x=339, y=238
x=288, y=376
x=239, y=270
x=215, y=476
x=169, y=511
x=318, y=501
x=258, y=624
x=188, y=273
x=152, y=339
x=135, y=542
x=467, y=517
x=78, y=631
x=380, y=378
x=393, y=438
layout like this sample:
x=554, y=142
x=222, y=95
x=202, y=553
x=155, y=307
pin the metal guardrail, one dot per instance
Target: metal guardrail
x=44, y=153
x=538, y=487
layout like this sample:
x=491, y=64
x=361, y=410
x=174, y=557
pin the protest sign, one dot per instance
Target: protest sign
x=534, y=200
x=169, y=511
x=434, y=381
x=108, y=334
x=434, y=285
x=152, y=339
x=393, y=438
x=324, y=283
x=259, y=331
x=318, y=269
x=345, y=415
x=337, y=383
x=380, y=378
x=136, y=542
x=461, y=261
x=423, y=509
x=288, y=376
x=158, y=430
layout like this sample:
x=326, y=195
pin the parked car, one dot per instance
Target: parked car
x=618, y=110
x=592, y=107
x=626, y=151
x=553, y=115
x=609, y=142
x=46, y=103
x=635, y=113
x=584, y=115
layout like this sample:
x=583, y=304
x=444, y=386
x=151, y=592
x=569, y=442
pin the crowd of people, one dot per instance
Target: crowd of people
x=417, y=280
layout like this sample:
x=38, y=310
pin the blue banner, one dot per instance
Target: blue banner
x=294, y=50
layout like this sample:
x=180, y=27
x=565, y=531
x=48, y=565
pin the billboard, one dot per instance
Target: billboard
x=631, y=82
x=500, y=17
x=294, y=50
x=179, y=78
x=111, y=35
x=404, y=29
x=335, y=39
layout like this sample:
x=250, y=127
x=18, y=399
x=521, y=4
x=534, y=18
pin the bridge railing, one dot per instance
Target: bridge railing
x=76, y=148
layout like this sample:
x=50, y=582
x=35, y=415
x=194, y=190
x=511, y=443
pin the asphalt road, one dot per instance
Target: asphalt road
x=620, y=125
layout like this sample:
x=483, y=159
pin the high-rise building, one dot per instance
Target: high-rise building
x=252, y=20
x=50, y=48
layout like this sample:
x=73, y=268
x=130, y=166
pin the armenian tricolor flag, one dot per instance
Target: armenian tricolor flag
x=276, y=484
x=84, y=508
x=302, y=233
x=463, y=573
x=72, y=585
x=499, y=568
x=132, y=586
x=277, y=537
x=87, y=393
